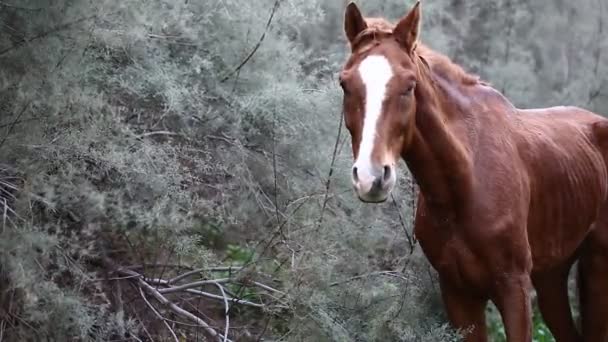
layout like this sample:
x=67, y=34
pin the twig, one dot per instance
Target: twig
x=231, y=299
x=143, y=296
x=200, y=270
x=266, y=287
x=2, y=325
x=4, y=214
x=46, y=34
x=188, y=287
x=257, y=46
x=191, y=285
x=413, y=206
x=148, y=134
x=274, y=167
x=331, y=171
x=410, y=241
x=4, y=4
x=597, y=54
x=144, y=265
x=226, y=311
x=178, y=288
x=380, y=273
x=14, y=123
x=19, y=122
x=140, y=320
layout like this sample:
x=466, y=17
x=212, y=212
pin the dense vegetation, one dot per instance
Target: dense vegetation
x=142, y=139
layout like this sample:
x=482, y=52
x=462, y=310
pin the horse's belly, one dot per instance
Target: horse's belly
x=560, y=218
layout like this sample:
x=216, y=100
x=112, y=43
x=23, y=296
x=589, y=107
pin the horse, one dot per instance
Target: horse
x=509, y=198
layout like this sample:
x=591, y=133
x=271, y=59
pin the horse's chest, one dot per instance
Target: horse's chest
x=455, y=262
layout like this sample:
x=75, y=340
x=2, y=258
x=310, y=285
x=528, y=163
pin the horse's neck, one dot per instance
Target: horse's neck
x=437, y=157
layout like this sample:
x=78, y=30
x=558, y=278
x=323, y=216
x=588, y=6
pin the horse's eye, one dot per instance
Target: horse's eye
x=409, y=90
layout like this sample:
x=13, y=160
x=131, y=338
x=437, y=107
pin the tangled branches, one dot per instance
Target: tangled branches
x=192, y=284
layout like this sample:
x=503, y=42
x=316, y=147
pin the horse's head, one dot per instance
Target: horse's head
x=379, y=79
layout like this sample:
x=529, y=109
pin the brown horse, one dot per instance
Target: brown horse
x=509, y=198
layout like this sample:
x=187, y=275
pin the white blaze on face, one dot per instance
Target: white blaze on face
x=376, y=72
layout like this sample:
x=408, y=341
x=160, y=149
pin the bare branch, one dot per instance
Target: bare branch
x=14, y=123
x=257, y=46
x=200, y=270
x=266, y=287
x=410, y=241
x=226, y=311
x=367, y=275
x=331, y=171
x=191, y=285
x=42, y=35
x=4, y=216
x=233, y=300
x=173, y=307
x=4, y=4
x=149, y=134
x=143, y=296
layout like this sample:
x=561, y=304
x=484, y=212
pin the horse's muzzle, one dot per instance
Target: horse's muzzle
x=375, y=184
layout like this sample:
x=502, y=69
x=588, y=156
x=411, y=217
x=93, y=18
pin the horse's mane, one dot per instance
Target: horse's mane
x=439, y=63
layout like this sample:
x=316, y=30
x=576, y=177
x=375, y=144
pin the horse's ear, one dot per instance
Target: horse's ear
x=407, y=30
x=353, y=22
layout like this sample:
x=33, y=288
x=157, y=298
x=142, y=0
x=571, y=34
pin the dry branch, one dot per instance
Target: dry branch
x=410, y=240
x=257, y=45
x=143, y=296
x=200, y=270
x=331, y=171
x=393, y=274
x=226, y=310
x=54, y=30
x=191, y=285
x=231, y=299
x=174, y=307
x=14, y=123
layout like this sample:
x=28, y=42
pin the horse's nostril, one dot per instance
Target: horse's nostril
x=355, y=177
x=386, y=173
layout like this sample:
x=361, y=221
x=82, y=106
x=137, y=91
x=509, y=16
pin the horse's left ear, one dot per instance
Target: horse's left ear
x=406, y=31
x=353, y=22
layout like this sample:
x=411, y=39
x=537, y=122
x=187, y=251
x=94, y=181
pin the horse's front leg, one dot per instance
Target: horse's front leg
x=465, y=311
x=512, y=298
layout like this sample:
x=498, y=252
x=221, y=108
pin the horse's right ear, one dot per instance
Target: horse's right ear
x=353, y=22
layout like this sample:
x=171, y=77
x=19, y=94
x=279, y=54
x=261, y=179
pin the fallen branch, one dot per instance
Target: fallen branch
x=231, y=299
x=143, y=296
x=226, y=310
x=200, y=270
x=175, y=308
x=169, y=287
x=191, y=285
